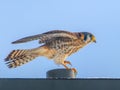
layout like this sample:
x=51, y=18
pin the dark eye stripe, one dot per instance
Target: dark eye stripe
x=85, y=38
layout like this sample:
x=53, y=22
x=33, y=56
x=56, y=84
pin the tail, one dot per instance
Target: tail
x=20, y=57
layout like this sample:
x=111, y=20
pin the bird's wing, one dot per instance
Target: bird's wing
x=47, y=36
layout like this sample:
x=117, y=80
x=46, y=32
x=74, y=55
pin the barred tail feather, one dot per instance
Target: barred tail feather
x=19, y=57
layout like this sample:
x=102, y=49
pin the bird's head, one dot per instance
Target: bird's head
x=88, y=37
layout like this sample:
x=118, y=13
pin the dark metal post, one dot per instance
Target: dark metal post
x=61, y=73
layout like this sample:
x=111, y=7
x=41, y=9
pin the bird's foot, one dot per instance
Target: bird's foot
x=74, y=70
x=67, y=62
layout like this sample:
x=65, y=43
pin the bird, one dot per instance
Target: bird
x=57, y=45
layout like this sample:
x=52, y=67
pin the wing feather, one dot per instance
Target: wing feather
x=47, y=36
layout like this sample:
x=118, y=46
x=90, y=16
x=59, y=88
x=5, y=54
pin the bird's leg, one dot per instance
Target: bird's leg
x=67, y=62
x=65, y=65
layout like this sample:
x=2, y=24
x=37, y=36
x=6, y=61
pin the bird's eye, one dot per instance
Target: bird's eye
x=90, y=36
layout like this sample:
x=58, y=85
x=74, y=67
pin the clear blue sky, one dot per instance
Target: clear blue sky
x=20, y=18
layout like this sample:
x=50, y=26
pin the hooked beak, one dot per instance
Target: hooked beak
x=94, y=39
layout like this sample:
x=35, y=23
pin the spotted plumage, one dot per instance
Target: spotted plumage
x=58, y=45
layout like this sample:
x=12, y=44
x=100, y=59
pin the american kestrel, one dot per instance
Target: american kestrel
x=58, y=45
